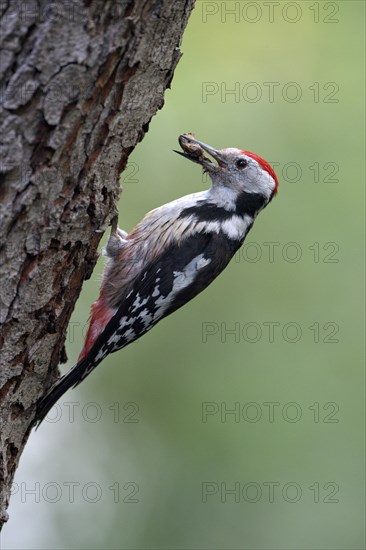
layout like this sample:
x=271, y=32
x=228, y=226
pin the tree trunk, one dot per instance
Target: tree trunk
x=80, y=81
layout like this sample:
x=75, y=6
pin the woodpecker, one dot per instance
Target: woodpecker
x=173, y=254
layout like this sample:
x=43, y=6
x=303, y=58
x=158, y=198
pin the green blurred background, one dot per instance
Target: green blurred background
x=153, y=458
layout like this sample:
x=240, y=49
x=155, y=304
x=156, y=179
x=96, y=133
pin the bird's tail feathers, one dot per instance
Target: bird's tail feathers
x=69, y=380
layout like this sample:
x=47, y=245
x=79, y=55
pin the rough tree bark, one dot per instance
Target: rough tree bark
x=80, y=81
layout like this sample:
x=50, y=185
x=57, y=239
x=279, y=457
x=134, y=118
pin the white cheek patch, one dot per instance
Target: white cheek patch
x=260, y=181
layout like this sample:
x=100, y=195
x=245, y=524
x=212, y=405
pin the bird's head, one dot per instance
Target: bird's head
x=235, y=169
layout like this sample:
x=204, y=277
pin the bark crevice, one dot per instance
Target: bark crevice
x=78, y=89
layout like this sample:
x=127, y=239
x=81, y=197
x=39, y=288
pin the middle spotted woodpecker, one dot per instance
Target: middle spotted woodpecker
x=173, y=254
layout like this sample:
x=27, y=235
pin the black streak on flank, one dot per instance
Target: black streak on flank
x=207, y=212
x=247, y=203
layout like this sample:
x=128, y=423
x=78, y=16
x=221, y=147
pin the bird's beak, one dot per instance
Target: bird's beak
x=194, y=151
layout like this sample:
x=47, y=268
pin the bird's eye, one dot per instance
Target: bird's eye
x=241, y=163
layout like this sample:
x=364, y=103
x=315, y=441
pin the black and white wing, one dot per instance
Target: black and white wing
x=168, y=282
